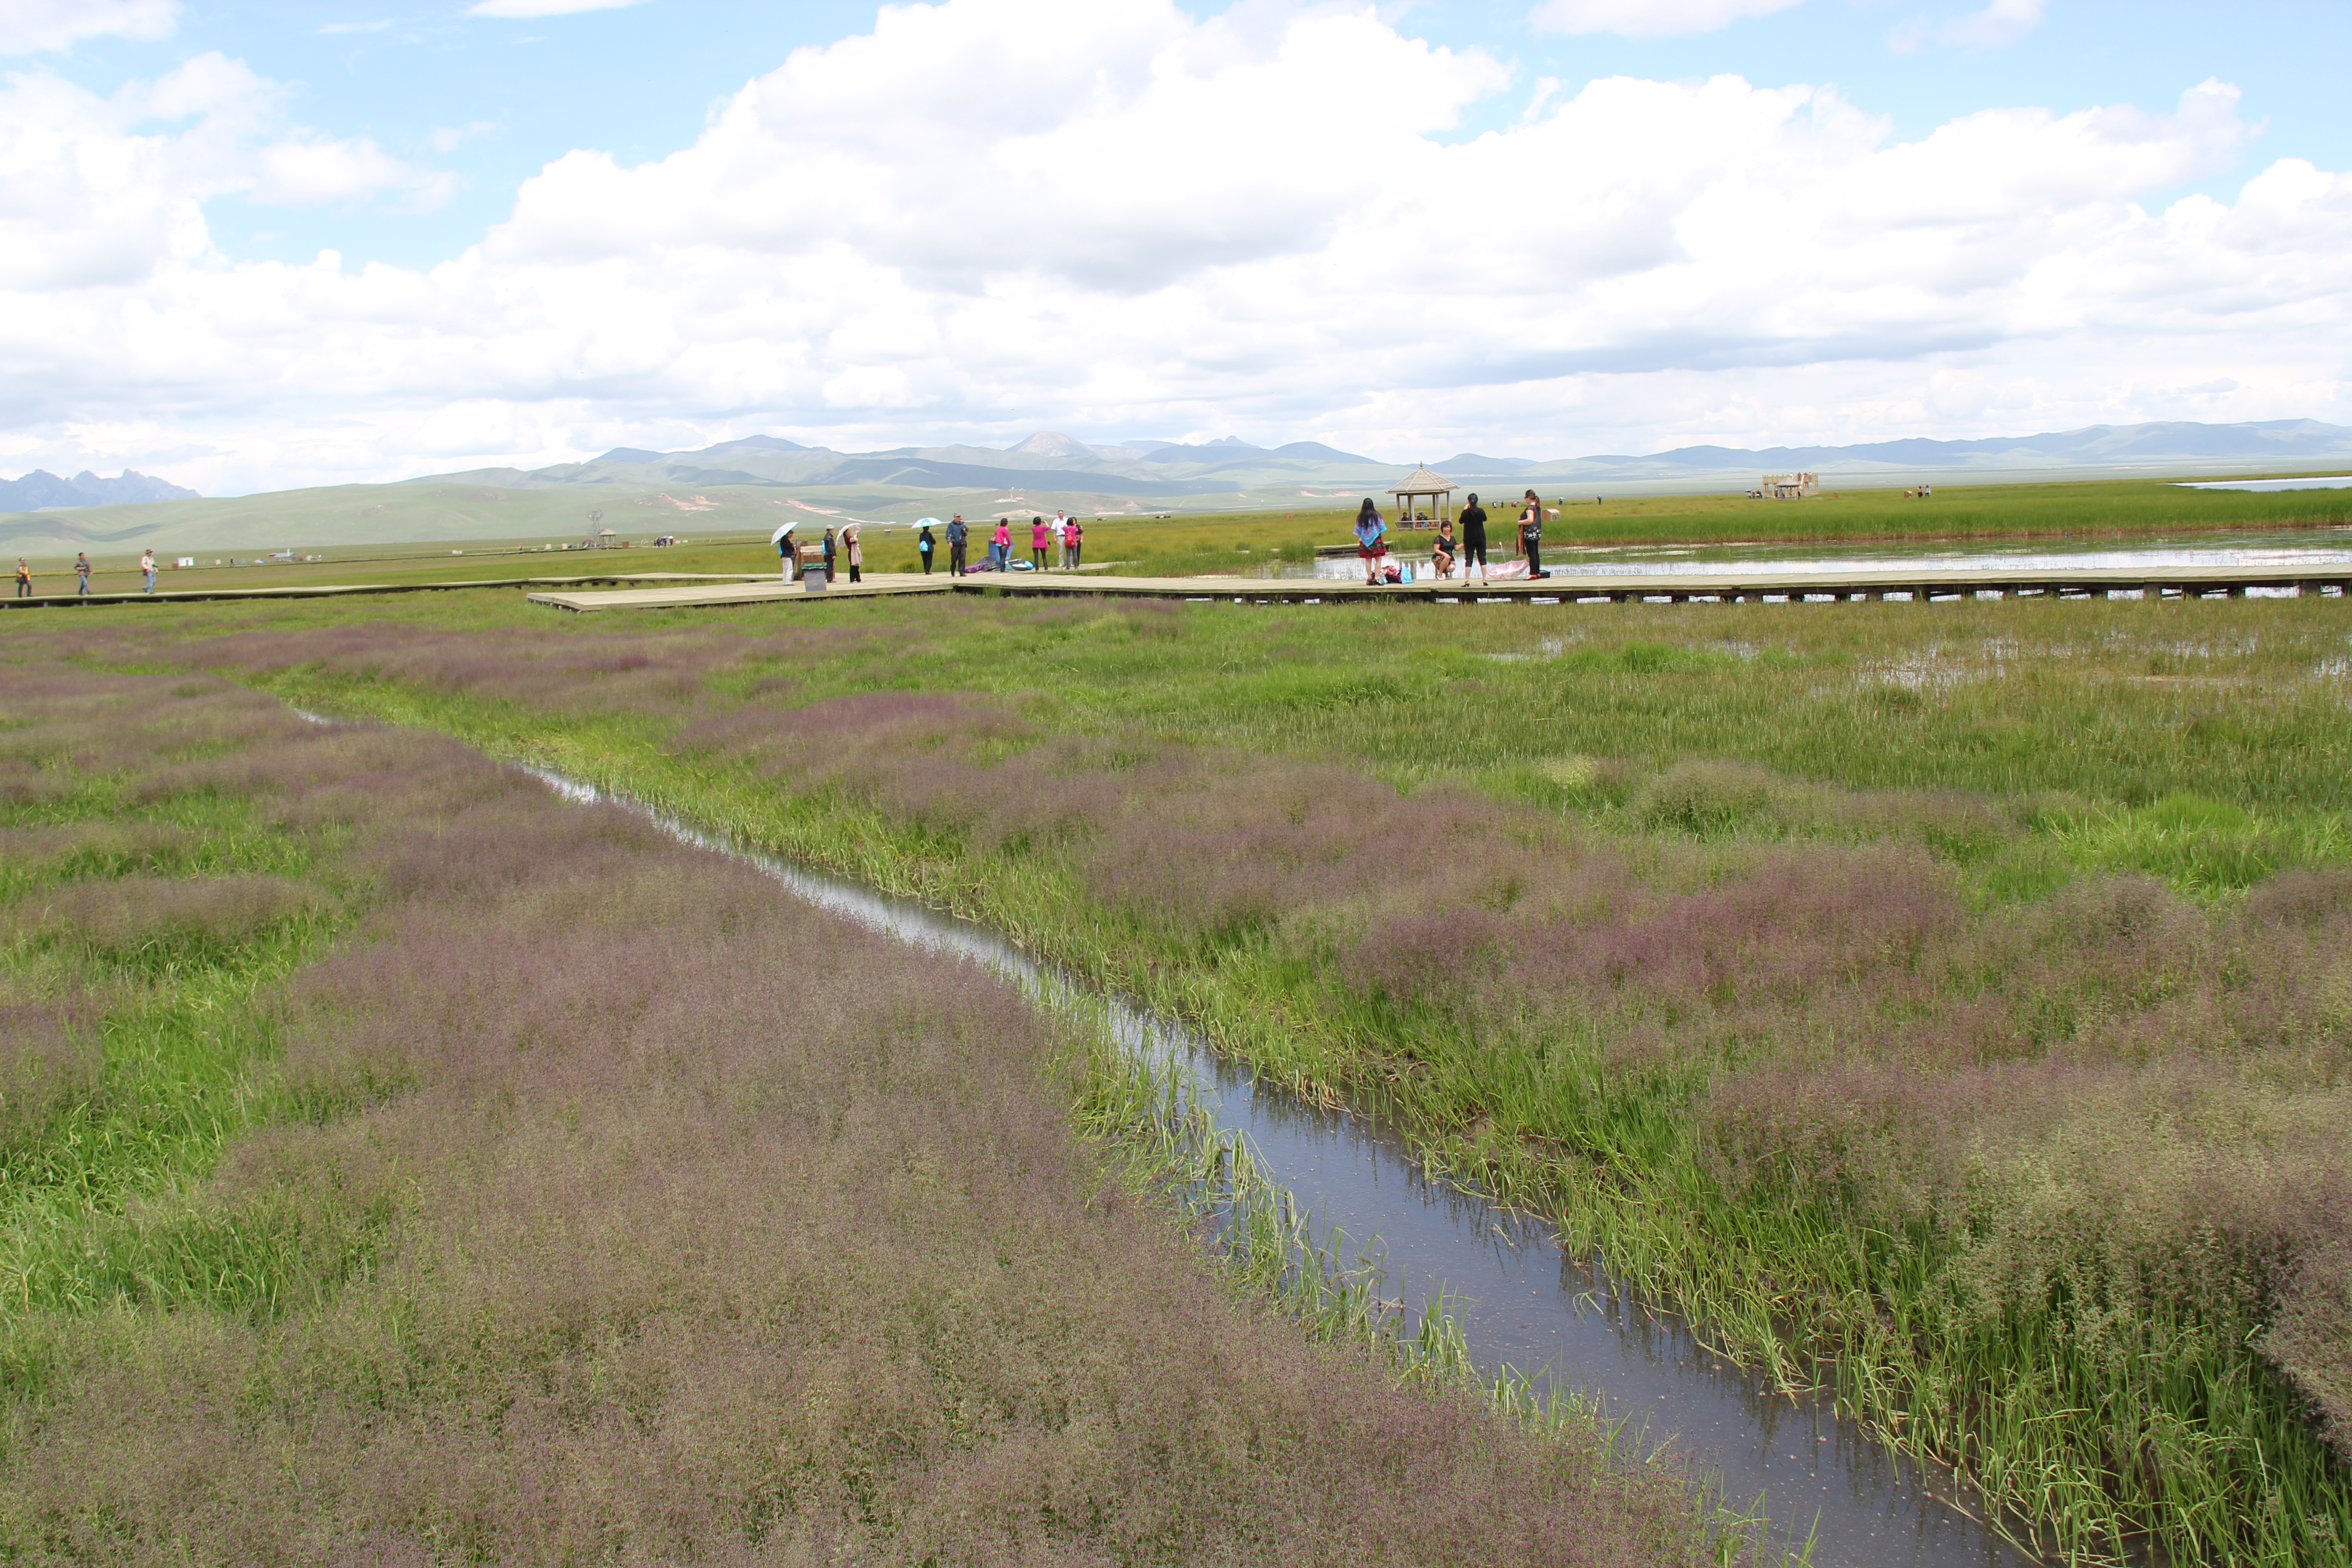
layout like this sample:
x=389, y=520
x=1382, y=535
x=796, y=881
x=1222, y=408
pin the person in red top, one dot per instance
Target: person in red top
x=1074, y=539
x=1038, y=533
x=1000, y=547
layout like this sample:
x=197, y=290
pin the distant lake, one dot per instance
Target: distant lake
x=2331, y=482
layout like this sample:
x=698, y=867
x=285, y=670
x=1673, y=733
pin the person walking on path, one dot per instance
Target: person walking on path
x=1074, y=540
x=853, y=551
x=1038, y=535
x=829, y=548
x=959, y=532
x=147, y=564
x=1473, y=538
x=924, y=545
x=81, y=570
x=1000, y=548
x=787, y=556
x=23, y=579
x=1531, y=534
x=1372, y=541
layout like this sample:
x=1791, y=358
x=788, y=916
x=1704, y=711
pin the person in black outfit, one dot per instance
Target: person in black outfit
x=925, y=544
x=828, y=556
x=959, y=533
x=1473, y=538
x=1531, y=534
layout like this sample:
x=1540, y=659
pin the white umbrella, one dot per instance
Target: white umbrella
x=781, y=529
x=928, y=522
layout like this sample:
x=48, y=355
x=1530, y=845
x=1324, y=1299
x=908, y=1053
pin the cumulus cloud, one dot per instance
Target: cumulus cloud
x=29, y=27
x=1261, y=222
x=103, y=191
x=1654, y=18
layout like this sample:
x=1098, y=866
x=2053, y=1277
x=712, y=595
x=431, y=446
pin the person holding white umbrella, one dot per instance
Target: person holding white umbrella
x=785, y=551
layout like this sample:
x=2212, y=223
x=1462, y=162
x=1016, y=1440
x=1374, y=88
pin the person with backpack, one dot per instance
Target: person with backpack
x=787, y=556
x=1473, y=538
x=1073, y=538
x=81, y=570
x=959, y=533
x=23, y=579
x=924, y=545
x=1531, y=534
x=1372, y=541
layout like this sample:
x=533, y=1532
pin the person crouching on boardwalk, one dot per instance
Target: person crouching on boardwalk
x=1440, y=549
x=853, y=553
x=1372, y=541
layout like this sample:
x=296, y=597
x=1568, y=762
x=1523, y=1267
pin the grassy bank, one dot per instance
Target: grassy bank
x=400, y=1163
x=1945, y=1003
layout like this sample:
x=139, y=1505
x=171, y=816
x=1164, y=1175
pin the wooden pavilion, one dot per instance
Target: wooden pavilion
x=1423, y=482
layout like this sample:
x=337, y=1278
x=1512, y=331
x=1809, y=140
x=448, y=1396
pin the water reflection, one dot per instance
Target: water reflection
x=1521, y=1300
x=2325, y=547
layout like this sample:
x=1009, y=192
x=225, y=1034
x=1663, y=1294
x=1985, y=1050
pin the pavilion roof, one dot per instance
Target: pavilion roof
x=1423, y=481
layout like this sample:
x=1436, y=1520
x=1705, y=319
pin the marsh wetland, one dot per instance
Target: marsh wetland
x=1942, y=1008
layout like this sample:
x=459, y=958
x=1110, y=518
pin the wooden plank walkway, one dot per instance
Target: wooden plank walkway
x=1731, y=585
x=337, y=589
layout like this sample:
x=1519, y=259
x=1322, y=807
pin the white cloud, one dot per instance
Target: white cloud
x=529, y=8
x=29, y=27
x=1245, y=223
x=103, y=192
x=1999, y=22
x=1651, y=18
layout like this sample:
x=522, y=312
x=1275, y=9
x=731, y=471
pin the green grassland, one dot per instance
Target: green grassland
x=396, y=1160
x=355, y=525
x=2124, y=818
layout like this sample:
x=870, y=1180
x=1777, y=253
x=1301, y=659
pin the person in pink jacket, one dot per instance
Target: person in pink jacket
x=1038, y=535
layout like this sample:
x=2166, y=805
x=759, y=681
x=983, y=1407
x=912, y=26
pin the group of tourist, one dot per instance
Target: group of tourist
x=1060, y=541
x=844, y=549
x=1446, y=551
x=81, y=575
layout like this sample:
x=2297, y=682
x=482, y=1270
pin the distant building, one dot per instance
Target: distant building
x=1791, y=486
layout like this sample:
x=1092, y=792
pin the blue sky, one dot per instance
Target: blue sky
x=555, y=232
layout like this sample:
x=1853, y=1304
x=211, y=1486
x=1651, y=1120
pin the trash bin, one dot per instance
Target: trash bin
x=812, y=578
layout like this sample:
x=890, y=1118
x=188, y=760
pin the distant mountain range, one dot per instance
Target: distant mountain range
x=748, y=485
x=41, y=489
x=1050, y=467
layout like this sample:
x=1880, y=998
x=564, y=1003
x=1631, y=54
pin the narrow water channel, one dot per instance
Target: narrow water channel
x=1521, y=1300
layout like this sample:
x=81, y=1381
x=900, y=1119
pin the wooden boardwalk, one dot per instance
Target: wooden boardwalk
x=673, y=580
x=1731, y=585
